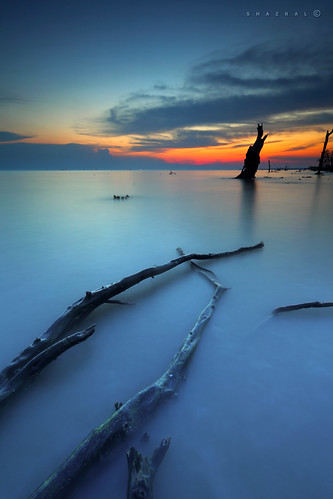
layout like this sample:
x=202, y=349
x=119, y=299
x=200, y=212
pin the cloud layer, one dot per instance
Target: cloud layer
x=284, y=86
x=13, y=137
x=27, y=156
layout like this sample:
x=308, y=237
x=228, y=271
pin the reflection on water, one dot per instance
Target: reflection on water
x=248, y=206
x=321, y=202
x=256, y=403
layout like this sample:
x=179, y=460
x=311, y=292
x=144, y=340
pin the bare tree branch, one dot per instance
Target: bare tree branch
x=142, y=471
x=118, y=302
x=41, y=360
x=131, y=415
x=84, y=306
x=313, y=304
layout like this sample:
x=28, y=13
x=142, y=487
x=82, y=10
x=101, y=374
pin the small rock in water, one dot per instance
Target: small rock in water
x=115, y=196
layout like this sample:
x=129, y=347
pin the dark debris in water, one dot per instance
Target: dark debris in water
x=115, y=196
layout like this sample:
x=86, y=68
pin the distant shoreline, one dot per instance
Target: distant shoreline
x=167, y=170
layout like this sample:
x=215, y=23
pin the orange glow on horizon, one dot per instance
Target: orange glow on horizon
x=283, y=146
x=297, y=146
x=280, y=146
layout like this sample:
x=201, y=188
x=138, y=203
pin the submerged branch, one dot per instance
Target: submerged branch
x=80, y=309
x=118, y=302
x=131, y=415
x=142, y=470
x=41, y=360
x=313, y=304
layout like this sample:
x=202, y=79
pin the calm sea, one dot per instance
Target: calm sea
x=254, y=418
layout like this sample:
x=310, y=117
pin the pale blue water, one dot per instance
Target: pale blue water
x=254, y=417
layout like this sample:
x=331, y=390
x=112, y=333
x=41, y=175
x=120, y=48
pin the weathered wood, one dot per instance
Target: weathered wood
x=142, y=471
x=80, y=309
x=312, y=304
x=321, y=161
x=41, y=360
x=252, y=159
x=132, y=414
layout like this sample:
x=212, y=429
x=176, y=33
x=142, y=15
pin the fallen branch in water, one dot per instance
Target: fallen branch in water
x=312, y=304
x=82, y=308
x=131, y=415
x=41, y=360
x=142, y=470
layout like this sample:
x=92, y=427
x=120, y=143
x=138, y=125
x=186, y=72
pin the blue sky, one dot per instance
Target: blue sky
x=175, y=82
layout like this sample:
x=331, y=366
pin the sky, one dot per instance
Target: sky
x=172, y=84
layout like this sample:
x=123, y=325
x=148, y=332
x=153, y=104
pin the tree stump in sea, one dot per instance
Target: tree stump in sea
x=142, y=470
x=252, y=159
x=321, y=161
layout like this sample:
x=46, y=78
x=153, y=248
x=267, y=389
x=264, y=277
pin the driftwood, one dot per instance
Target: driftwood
x=312, y=304
x=79, y=310
x=252, y=159
x=41, y=360
x=321, y=161
x=142, y=471
x=131, y=415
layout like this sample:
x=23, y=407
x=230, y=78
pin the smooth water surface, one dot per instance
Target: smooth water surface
x=254, y=418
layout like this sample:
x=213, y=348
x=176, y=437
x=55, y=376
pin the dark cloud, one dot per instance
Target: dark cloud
x=273, y=68
x=13, y=137
x=27, y=156
x=238, y=146
x=179, y=139
x=301, y=148
x=287, y=62
x=148, y=98
x=10, y=99
x=288, y=58
x=24, y=155
x=257, y=84
x=160, y=86
x=221, y=79
x=311, y=119
x=233, y=109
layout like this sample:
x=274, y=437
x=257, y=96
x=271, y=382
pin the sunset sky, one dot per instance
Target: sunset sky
x=153, y=84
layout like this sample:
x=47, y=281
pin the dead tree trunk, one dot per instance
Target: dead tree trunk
x=252, y=159
x=142, y=471
x=19, y=370
x=321, y=161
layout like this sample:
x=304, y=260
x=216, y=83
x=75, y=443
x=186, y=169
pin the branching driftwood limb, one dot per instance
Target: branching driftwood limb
x=85, y=306
x=142, y=471
x=312, y=304
x=41, y=360
x=130, y=415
